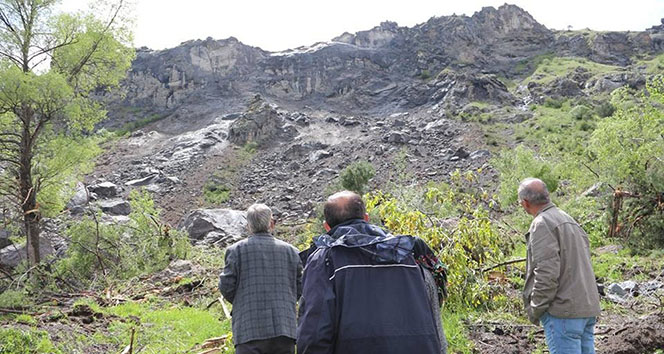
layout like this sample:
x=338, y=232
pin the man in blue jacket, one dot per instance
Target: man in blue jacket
x=363, y=292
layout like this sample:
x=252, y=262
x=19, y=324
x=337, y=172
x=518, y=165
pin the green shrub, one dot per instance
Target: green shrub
x=518, y=164
x=17, y=341
x=13, y=298
x=605, y=109
x=117, y=251
x=465, y=246
x=581, y=112
x=215, y=193
x=554, y=102
x=356, y=176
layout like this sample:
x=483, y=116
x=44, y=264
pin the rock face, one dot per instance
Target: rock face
x=215, y=226
x=261, y=124
x=381, y=70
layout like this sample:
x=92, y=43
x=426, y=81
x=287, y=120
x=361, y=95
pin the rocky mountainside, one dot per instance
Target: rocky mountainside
x=380, y=71
x=247, y=125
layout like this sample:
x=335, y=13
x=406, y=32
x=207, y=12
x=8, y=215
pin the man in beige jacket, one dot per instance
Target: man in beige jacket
x=560, y=291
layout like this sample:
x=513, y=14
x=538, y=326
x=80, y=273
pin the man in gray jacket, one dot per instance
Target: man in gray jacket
x=560, y=291
x=262, y=278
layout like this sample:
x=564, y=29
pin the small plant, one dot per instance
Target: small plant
x=13, y=299
x=581, y=112
x=215, y=193
x=605, y=109
x=17, y=341
x=554, y=102
x=356, y=176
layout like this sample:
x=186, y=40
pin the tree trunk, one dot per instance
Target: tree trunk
x=28, y=191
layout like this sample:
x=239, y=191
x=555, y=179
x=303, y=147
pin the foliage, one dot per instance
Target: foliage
x=465, y=247
x=581, y=112
x=627, y=151
x=605, y=109
x=554, y=102
x=456, y=332
x=140, y=123
x=39, y=103
x=121, y=251
x=13, y=298
x=60, y=164
x=215, y=193
x=518, y=164
x=19, y=341
x=356, y=176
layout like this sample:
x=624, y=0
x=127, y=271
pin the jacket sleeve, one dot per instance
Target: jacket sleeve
x=316, y=323
x=546, y=260
x=228, y=277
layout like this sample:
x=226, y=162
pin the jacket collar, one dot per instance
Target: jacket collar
x=262, y=234
x=546, y=207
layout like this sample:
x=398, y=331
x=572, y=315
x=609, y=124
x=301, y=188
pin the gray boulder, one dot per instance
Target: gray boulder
x=115, y=207
x=4, y=238
x=215, y=226
x=79, y=200
x=104, y=190
x=11, y=256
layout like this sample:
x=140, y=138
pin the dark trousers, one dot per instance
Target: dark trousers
x=276, y=345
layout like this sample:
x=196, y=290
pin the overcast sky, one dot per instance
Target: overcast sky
x=281, y=24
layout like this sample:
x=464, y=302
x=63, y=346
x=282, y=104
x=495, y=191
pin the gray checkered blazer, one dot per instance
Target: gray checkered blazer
x=262, y=278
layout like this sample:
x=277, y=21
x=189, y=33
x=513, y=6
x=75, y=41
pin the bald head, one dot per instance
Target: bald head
x=343, y=206
x=534, y=191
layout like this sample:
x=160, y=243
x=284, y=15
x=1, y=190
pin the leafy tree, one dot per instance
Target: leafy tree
x=356, y=176
x=628, y=152
x=50, y=64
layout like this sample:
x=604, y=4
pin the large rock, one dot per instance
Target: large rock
x=13, y=255
x=215, y=226
x=261, y=124
x=104, y=190
x=115, y=207
x=4, y=238
x=79, y=200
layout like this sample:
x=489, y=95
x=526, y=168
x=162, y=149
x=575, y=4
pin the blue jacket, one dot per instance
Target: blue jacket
x=363, y=293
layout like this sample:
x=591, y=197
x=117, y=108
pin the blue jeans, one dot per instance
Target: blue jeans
x=569, y=335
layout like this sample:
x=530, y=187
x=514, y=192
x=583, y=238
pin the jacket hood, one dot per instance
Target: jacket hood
x=357, y=233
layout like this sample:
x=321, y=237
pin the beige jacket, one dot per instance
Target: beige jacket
x=559, y=276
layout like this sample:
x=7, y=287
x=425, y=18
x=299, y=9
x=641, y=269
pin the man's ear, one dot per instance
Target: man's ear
x=366, y=217
x=326, y=226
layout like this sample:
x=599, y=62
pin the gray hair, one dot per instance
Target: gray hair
x=259, y=217
x=534, y=191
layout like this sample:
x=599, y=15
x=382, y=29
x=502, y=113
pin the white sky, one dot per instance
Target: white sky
x=277, y=25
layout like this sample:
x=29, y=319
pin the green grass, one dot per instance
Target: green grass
x=550, y=68
x=20, y=341
x=140, y=123
x=168, y=329
x=456, y=332
x=654, y=65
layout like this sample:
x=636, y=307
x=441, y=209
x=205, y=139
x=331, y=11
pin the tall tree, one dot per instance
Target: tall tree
x=50, y=64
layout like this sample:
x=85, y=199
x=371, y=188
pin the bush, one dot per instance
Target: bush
x=518, y=164
x=465, y=245
x=215, y=193
x=120, y=251
x=554, y=102
x=605, y=109
x=356, y=176
x=581, y=112
x=17, y=341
